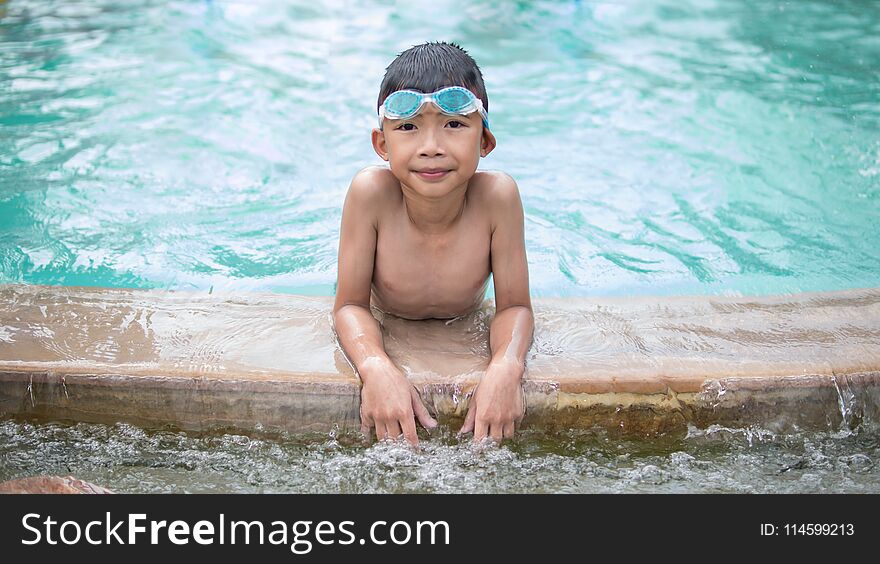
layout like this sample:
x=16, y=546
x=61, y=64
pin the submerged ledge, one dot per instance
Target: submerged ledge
x=270, y=362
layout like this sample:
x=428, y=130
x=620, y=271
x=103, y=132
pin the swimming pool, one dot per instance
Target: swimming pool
x=701, y=147
x=661, y=148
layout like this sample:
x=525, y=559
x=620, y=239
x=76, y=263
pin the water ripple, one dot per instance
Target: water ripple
x=660, y=147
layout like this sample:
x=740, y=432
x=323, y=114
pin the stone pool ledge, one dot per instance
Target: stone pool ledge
x=268, y=362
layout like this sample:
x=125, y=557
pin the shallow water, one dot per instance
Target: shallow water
x=704, y=146
x=128, y=459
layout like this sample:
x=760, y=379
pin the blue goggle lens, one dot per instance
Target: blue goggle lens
x=454, y=100
x=403, y=104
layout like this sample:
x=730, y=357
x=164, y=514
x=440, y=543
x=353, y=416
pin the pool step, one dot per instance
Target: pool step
x=268, y=362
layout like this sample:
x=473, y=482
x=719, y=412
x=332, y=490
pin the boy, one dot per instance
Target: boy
x=419, y=239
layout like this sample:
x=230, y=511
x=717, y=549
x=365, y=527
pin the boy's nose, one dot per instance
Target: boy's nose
x=431, y=146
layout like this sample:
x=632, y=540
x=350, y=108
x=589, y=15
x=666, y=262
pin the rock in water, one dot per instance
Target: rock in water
x=51, y=485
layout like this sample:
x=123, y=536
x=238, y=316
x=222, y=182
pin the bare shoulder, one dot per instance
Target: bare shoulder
x=372, y=190
x=493, y=187
x=373, y=183
x=497, y=193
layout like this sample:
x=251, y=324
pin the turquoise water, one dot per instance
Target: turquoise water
x=661, y=147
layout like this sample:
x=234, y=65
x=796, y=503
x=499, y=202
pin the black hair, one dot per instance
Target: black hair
x=431, y=66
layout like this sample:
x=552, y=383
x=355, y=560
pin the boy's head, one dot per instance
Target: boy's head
x=434, y=140
x=430, y=67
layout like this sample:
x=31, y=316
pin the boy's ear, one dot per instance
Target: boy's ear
x=488, y=143
x=379, y=144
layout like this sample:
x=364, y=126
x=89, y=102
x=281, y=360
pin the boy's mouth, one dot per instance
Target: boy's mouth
x=432, y=173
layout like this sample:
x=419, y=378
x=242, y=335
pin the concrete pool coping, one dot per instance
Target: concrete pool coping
x=270, y=362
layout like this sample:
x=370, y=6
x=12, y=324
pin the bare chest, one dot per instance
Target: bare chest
x=419, y=276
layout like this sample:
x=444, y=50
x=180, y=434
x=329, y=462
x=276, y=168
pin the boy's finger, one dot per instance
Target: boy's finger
x=392, y=430
x=421, y=412
x=469, y=419
x=380, y=430
x=471, y=416
x=426, y=420
x=384, y=430
x=468, y=423
x=509, y=430
x=409, y=431
x=366, y=425
x=480, y=431
x=495, y=431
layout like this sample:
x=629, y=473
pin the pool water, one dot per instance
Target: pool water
x=127, y=459
x=661, y=147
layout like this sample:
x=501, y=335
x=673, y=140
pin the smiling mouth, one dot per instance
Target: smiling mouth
x=432, y=174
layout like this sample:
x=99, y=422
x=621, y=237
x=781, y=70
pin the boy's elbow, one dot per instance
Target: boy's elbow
x=337, y=308
x=525, y=307
x=342, y=305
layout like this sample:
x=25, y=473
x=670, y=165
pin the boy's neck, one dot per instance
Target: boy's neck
x=435, y=215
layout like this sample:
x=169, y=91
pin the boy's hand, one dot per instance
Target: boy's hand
x=390, y=403
x=497, y=403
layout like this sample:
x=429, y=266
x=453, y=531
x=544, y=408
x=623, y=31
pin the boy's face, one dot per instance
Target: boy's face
x=432, y=152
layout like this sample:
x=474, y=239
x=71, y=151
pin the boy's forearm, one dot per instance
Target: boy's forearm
x=360, y=336
x=510, y=335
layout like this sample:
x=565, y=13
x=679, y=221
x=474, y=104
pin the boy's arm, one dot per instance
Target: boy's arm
x=357, y=329
x=497, y=403
x=388, y=400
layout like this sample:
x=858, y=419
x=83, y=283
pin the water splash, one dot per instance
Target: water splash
x=851, y=410
x=125, y=458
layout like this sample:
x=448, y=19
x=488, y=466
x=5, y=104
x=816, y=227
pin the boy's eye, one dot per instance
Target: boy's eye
x=406, y=127
x=455, y=124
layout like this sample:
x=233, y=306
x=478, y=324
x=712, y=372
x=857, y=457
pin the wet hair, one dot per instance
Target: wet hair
x=431, y=66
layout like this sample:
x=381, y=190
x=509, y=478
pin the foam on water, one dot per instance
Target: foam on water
x=718, y=459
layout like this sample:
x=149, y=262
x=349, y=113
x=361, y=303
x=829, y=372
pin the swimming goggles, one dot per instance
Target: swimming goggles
x=453, y=100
